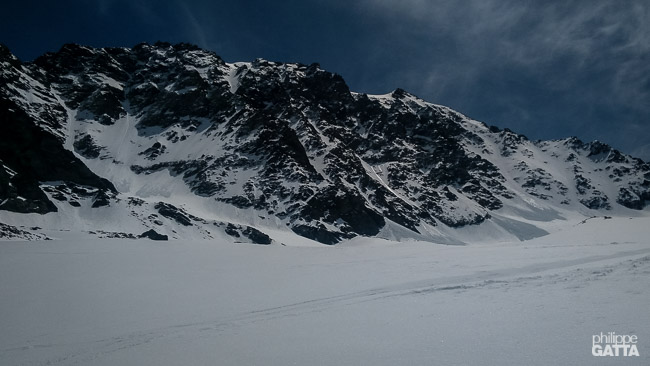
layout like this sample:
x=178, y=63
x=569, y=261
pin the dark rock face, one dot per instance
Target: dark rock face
x=12, y=232
x=153, y=235
x=34, y=155
x=287, y=141
x=86, y=147
x=634, y=197
x=346, y=209
x=20, y=193
x=154, y=151
x=173, y=213
x=596, y=202
x=101, y=199
x=317, y=232
x=255, y=236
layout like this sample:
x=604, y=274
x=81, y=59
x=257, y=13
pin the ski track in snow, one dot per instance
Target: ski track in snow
x=529, y=275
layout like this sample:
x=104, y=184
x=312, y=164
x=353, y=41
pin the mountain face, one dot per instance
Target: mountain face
x=170, y=139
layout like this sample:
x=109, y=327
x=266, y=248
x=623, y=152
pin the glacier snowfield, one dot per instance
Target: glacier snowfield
x=84, y=301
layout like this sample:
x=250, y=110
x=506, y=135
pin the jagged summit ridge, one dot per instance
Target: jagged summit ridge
x=278, y=146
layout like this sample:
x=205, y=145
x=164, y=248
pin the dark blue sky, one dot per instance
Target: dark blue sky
x=548, y=69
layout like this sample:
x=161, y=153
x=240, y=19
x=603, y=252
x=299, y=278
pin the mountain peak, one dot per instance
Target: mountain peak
x=7, y=56
x=187, y=144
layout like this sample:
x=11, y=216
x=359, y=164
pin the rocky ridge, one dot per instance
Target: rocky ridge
x=183, y=142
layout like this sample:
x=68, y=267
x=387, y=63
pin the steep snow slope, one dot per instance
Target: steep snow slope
x=173, y=138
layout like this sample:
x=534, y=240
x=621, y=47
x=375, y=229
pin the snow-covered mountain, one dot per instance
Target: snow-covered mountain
x=171, y=140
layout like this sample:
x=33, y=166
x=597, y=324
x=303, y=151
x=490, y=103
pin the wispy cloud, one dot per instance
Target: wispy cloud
x=103, y=6
x=577, y=54
x=147, y=11
x=526, y=32
x=197, y=30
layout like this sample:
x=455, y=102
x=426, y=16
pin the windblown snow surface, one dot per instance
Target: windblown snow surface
x=88, y=301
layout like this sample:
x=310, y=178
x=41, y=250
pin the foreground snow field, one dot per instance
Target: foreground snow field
x=83, y=301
